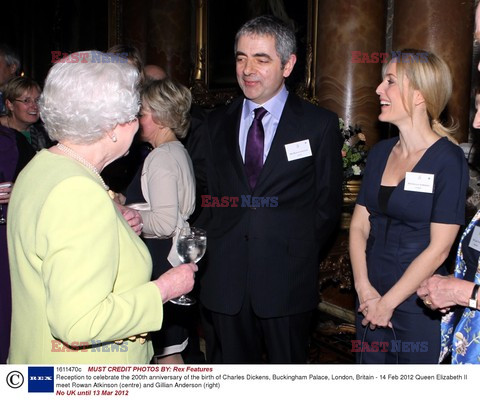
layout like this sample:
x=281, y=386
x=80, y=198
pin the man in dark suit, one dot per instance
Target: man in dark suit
x=267, y=217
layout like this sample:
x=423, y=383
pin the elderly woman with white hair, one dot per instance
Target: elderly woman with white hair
x=81, y=289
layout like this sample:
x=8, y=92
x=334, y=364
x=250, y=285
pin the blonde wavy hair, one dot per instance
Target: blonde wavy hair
x=430, y=75
x=170, y=104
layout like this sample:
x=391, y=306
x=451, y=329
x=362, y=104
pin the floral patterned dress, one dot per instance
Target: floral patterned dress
x=461, y=327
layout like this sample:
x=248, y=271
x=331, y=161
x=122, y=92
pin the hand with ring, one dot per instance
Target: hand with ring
x=427, y=302
x=442, y=292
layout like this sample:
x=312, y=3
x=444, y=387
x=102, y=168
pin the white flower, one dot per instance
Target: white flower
x=356, y=170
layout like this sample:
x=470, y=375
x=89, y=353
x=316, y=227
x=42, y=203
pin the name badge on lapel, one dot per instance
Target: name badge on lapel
x=300, y=149
x=475, y=240
x=418, y=182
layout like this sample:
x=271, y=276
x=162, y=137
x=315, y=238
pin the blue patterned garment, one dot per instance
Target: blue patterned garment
x=463, y=340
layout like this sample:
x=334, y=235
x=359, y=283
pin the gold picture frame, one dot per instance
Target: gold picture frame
x=210, y=90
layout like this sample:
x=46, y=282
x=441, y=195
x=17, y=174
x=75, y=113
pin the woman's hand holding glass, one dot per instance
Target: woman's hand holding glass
x=5, y=191
x=177, y=281
x=191, y=246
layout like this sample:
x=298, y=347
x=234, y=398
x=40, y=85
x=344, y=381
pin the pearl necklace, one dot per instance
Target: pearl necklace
x=83, y=161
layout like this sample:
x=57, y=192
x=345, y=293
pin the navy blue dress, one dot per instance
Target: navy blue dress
x=398, y=234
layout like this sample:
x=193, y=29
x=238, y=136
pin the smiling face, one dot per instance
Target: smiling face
x=259, y=69
x=24, y=110
x=391, y=101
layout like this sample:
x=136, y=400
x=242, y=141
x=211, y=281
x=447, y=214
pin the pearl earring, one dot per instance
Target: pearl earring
x=114, y=138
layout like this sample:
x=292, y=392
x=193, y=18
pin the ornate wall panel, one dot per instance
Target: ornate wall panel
x=445, y=28
x=342, y=84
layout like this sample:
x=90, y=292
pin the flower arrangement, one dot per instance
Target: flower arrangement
x=354, y=150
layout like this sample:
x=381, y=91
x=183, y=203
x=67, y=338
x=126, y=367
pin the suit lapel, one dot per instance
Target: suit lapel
x=231, y=129
x=289, y=123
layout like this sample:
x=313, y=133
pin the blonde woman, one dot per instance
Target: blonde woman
x=408, y=212
x=165, y=186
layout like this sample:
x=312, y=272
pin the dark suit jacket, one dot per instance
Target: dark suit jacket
x=271, y=251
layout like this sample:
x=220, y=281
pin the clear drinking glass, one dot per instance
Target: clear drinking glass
x=191, y=246
x=3, y=218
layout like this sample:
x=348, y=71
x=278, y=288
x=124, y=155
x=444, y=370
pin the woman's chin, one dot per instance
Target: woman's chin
x=382, y=118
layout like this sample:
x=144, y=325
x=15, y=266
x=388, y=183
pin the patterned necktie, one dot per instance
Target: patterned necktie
x=254, y=148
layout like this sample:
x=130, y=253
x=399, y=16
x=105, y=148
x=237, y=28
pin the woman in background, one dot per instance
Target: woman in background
x=166, y=187
x=457, y=295
x=21, y=95
x=408, y=212
x=81, y=279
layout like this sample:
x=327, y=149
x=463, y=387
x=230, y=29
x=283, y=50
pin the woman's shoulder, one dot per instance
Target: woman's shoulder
x=55, y=169
x=51, y=178
x=158, y=155
x=381, y=148
x=448, y=144
x=446, y=151
x=386, y=143
x=167, y=153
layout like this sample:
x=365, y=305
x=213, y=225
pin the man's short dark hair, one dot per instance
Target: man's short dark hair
x=285, y=42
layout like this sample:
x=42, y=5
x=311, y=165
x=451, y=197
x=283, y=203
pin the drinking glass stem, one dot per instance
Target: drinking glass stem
x=3, y=220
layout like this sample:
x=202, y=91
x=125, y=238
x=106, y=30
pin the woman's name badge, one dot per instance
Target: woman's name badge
x=300, y=149
x=417, y=182
x=475, y=240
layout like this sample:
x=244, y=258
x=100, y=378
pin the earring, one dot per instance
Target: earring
x=114, y=138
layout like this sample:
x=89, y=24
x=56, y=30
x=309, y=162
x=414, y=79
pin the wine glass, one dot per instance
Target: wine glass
x=191, y=246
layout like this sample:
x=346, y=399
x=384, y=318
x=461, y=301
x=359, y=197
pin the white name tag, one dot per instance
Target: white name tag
x=475, y=240
x=300, y=149
x=417, y=182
